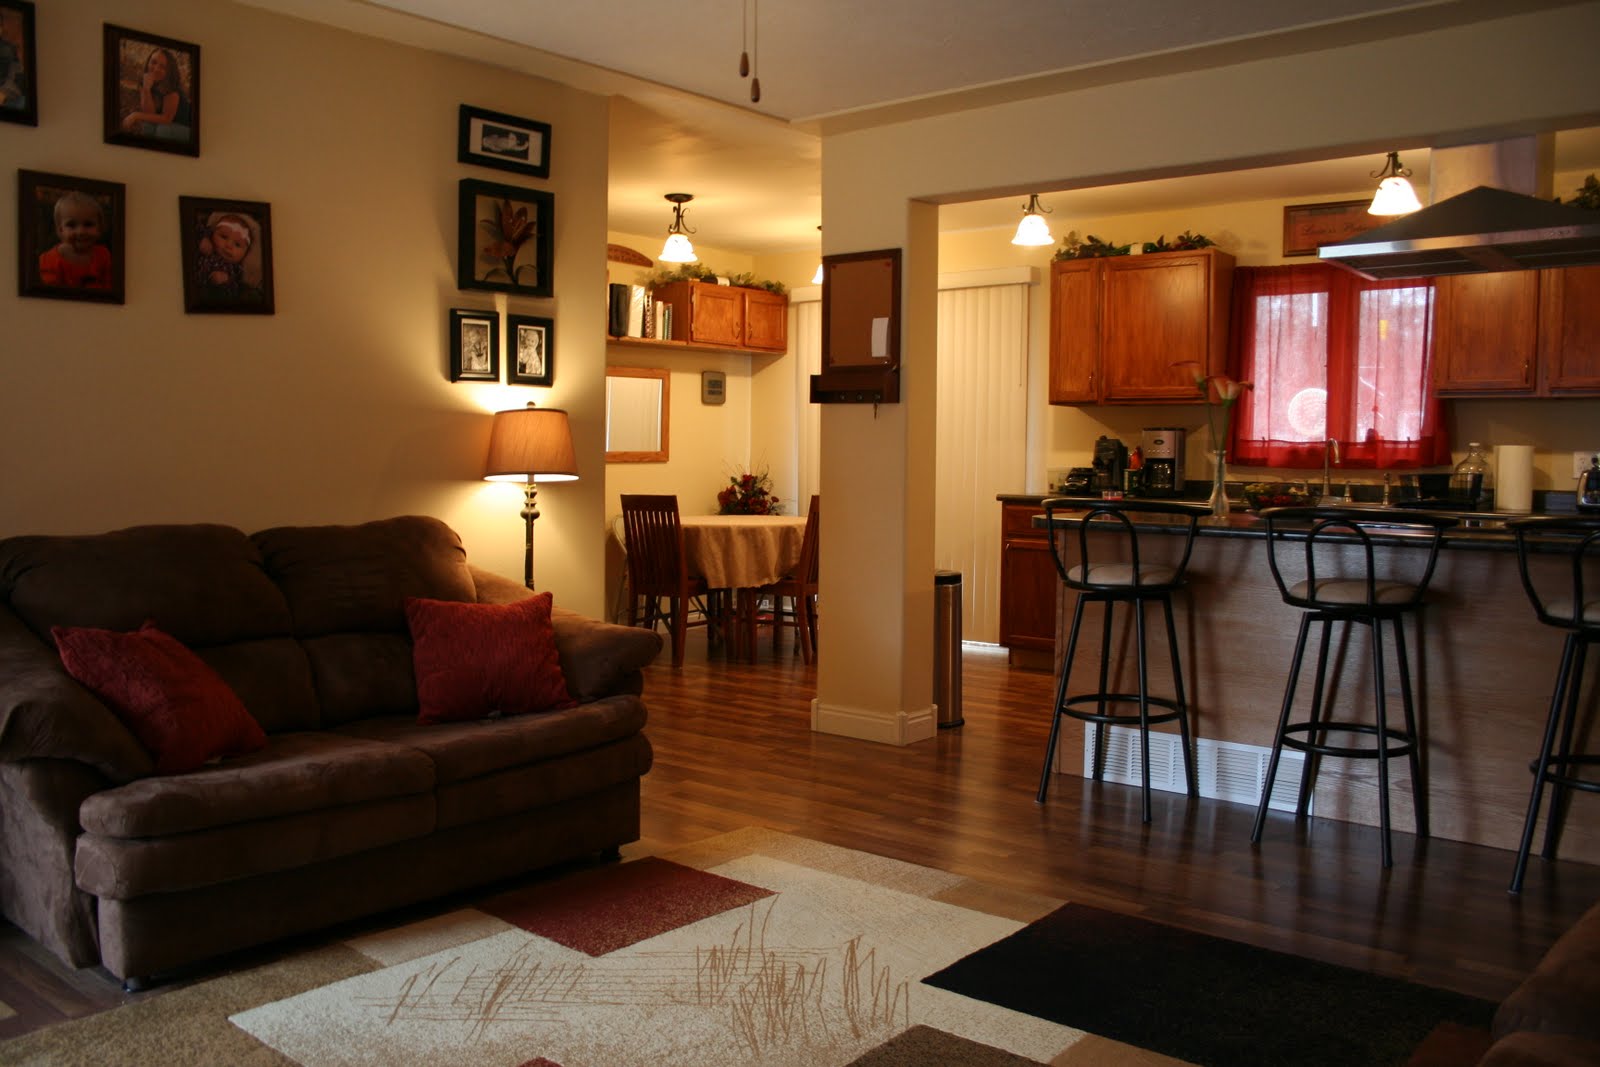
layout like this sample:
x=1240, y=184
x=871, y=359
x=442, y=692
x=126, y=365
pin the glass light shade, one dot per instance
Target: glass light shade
x=677, y=250
x=1395, y=197
x=816, y=279
x=1033, y=230
x=531, y=445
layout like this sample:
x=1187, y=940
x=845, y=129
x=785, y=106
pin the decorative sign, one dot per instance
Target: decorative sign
x=1306, y=226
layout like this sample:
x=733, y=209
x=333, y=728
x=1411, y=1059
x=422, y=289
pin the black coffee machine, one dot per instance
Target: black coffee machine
x=1110, y=460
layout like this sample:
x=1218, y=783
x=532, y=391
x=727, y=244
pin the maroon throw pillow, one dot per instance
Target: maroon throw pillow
x=181, y=710
x=475, y=660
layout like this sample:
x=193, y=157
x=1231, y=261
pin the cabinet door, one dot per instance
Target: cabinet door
x=1157, y=310
x=1569, y=304
x=766, y=320
x=717, y=316
x=1485, y=330
x=1074, y=330
x=1028, y=586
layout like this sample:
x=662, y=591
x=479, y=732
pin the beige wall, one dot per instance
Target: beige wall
x=338, y=408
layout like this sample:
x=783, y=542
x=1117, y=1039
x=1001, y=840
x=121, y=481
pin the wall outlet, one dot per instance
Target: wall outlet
x=1580, y=461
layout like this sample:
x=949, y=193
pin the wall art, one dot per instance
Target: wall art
x=492, y=139
x=530, y=350
x=19, y=60
x=70, y=237
x=226, y=250
x=474, y=345
x=506, y=240
x=152, y=91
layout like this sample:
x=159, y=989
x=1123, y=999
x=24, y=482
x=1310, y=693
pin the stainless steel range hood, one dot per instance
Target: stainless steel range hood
x=1483, y=229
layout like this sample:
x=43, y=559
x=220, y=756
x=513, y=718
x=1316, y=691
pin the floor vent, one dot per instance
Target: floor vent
x=1227, y=770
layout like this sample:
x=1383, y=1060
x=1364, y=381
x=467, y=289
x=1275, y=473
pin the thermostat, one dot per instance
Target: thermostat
x=713, y=386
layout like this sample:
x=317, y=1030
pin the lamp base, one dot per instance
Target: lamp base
x=530, y=512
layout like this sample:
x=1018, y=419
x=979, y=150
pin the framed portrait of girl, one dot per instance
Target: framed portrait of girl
x=152, y=92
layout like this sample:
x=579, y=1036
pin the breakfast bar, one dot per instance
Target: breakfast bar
x=1483, y=674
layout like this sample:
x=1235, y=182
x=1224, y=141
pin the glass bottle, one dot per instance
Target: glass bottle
x=1471, y=477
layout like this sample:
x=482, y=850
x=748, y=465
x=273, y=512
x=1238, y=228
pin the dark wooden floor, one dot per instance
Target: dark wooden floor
x=734, y=748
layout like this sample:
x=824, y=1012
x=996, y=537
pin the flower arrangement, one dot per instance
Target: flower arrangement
x=748, y=493
x=1218, y=391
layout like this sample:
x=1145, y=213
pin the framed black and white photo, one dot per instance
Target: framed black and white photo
x=493, y=139
x=70, y=237
x=152, y=91
x=19, y=93
x=530, y=350
x=474, y=345
x=225, y=247
x=506, y=239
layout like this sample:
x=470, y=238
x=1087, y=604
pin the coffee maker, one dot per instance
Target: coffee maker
x=1110, y=460
x=1163, y=461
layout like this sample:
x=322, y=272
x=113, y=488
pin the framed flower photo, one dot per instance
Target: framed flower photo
x=226, y=251
x=152, y=91
x=530, y=350
x=506, y=239
x=19, y=94
x=474, y=345
x=70, y=237
x=493, y=139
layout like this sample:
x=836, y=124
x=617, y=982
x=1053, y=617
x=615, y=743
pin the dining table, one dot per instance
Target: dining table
x=739, y=554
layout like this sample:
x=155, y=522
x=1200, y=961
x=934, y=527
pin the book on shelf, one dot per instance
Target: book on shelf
x=636, y=305
x=617, y=310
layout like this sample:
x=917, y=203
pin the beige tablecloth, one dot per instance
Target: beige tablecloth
x=742, y=551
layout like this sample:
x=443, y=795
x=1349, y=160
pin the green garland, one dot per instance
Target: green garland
x=698, y=272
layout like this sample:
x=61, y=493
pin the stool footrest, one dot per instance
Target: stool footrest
x=1407, y=743
x=1557, y=771
x=1068, y=707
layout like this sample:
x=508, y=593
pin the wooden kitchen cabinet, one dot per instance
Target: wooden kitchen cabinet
x=1508, y=333
x=1028, y=583
x=704, y=313
x=1119, y=324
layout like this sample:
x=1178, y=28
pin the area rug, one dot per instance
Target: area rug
x=1205, y=999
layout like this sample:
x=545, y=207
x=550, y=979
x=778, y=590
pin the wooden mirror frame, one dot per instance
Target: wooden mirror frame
x=665, y=378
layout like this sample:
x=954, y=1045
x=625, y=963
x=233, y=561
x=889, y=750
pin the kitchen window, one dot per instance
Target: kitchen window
x=1334, y=355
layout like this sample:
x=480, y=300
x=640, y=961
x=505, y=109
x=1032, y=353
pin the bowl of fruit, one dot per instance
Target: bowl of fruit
x=1258, y=495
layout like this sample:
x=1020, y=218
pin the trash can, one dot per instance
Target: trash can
x=947, y=647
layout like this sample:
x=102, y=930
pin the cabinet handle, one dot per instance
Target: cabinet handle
x=1525, y=369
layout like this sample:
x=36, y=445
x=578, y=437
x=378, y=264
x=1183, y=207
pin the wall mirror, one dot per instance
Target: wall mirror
x=637, y=405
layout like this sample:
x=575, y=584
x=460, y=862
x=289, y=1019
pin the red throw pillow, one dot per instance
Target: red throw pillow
x=181, y=710
x=473, y=660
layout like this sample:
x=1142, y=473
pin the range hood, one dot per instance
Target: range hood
x=1482, y=229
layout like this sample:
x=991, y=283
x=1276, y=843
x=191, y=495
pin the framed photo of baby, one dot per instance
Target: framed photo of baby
x=474, y=345
x=19, y=99
x=530, y=350
x=152, y=94
x=226, y=250
x=70, y=237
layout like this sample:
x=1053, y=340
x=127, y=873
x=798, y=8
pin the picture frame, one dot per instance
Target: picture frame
x=19, y=62
x=225, y=248
x=1308, y=226
x=70, y=237
x=474, y=345
x=506, y=240
x=152, y=91
x=530, y=350
x=505, y=142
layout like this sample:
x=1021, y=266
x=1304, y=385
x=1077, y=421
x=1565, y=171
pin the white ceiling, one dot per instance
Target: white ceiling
x=682, y=119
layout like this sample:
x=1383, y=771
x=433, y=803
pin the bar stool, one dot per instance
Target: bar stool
x=1131, y=581
x=1346, y=590
x=1574, y=608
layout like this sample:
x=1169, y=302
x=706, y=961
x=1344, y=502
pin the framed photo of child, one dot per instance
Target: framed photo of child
x=495, y=139
x=19, y=94
x=70, y=237
x=530, y=350
x=474, y=345
x=226, y=250
x=506, y=239
x=152, y=93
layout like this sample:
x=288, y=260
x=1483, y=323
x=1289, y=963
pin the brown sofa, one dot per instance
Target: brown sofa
x=351, y=808
x=1553, y=1018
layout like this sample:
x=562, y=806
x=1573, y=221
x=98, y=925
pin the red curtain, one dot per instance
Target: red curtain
x=1334, y=355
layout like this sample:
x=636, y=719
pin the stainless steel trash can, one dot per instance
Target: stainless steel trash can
x=947, y=647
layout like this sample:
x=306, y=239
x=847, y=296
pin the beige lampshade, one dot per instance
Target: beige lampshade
x=531, y=445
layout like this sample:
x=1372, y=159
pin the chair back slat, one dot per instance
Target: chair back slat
x=806, y=569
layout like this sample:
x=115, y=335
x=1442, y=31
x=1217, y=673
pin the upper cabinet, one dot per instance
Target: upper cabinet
x=704, y=313
x=1118, y=325
x=1528, y=333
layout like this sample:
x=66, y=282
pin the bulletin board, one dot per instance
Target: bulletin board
x=860, y=329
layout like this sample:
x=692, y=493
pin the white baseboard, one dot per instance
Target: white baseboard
x=889, y=728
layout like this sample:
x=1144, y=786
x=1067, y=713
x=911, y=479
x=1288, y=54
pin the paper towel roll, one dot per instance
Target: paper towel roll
x=1513, y=488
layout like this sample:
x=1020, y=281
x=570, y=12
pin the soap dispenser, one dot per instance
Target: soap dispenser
x=1589, y=487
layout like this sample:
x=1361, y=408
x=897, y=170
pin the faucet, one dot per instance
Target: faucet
x=1330, y=454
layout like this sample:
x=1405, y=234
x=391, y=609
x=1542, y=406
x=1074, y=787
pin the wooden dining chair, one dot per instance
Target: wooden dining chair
x=658, y=570
x=799, y=587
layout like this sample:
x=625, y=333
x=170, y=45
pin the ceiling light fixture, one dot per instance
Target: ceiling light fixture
x=1395, y=195
x=1033, y=230
x=678, y=249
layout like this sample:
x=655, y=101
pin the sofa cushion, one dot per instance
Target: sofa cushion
x=181, y=710
x=474, y=660
x=359, y=675
x=1559, y=997
x=535, y=785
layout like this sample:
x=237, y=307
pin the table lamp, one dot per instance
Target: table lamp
x=531, y=445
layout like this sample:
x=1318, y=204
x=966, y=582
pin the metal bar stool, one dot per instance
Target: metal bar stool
x=1350, y=592
x=1130, y=581
x=1574, y=608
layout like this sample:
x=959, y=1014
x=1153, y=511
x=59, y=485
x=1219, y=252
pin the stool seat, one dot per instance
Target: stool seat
x=1562, y=609
x=1122, y=574
x=1335, y=591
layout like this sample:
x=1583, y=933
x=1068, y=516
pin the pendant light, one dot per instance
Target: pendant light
x=1395, y=195
x=678, y=249
x=1033, y=230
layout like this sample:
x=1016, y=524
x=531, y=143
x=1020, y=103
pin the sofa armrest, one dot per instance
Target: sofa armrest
x=1559, y=997
x=599, y=659
x=45, y=714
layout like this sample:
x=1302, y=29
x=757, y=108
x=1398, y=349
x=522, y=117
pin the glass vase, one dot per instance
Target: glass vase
x=1219, y=485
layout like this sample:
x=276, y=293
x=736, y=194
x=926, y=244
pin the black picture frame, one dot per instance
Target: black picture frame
x=19, y=62
x=130, y=111
x=96, y=268
x=474, y=345
x=494, y=139
x=506, y=243
x=530, y=350
x=225, y=247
